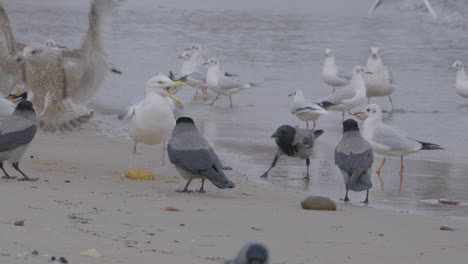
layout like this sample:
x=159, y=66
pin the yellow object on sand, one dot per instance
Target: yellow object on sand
x=139, y=174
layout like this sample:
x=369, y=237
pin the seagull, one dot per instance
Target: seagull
x=251, y=253
x=195, y=72
x=348, y=97
x=380, y=83
x=426, y=3
x=305, y=109
x=153, y=118
x=354, y=157
x=60, y=82
x=331, y=74
x=193, y=157
x=294, y=142
x=221, y=84
x=461, y=81
x=16, y=133
x=388, y=140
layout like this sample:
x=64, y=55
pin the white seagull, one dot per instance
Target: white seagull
x=388, y=140
x=349, y=97
x=461, y=81
x=426, y=3
x=380, y=83
x=153, y=118
x=331, y=74
x=305, y=109
x=195, y=72
x=221, y=84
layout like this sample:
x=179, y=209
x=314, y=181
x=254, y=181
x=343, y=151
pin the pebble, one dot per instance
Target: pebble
x=35, y=252
x=446, y=228
x=318, y=203
x=19, y=223
x=63, y=260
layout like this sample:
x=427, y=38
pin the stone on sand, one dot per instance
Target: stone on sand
x=318, y=203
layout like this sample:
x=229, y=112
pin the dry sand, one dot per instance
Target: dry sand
x=81, y=201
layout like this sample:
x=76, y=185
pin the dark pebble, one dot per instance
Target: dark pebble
x=182, y=224
x=35, y=252
x=52, y=258
x=380, y=234
x=446, y=228
x=67, y=181
x=63, y=260
x=19, y=223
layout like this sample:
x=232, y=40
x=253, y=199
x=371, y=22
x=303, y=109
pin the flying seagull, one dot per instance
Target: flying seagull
x=294, y=142
x=193, y=157
x=354, y=157
x=60, y=81
x=16, y=132
x=251, y=253
x=388, y=140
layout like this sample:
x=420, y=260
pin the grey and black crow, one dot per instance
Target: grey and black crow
x=16, y=132
x=354, y=157
x=251, y=253
x=193, y=157
x=294, y=142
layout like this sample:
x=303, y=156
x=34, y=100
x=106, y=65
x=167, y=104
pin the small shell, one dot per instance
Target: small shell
x=139, y=174
x=172, y=209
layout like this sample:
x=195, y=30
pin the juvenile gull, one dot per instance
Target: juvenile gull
x=426, y=3
x=60, y=81
x=380, y=82
x=348, y=97
x=294, y=142
x=16, y=132
x=305, y=109
x=354, y=157
x=251, y=253
x=193, y=157
x=388, y=140
x=461, y=81
x=221, y=84
x=153, y=118
x=331, y=74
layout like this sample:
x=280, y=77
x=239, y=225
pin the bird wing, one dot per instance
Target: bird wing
x=11, y=70
x=200, y=161
x=228, y=83
x=12, y=140
x=352, y=161
x=394, y=139
x=343, y=75
x=86, y=67
x=339, y=96
x=197, y=76
x=303, y=104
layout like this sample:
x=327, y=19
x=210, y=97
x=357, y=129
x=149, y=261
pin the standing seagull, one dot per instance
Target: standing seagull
x=16, y=132
x=193, y=157
x=294, y=142
x=331, y=74
x=221, y=84
x=251, y=253
x=389, y=141
x=305, y=109
x=349, y=97
x=380, y=83
x=426, y=3
x=153, y=118
x=354, y=157
x=195, y=72
x=60, y=81
x=461, y=81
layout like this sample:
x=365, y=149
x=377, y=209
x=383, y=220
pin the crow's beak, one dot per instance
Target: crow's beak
x=274, y=135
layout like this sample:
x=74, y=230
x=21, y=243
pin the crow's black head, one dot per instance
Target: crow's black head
x=350, y=125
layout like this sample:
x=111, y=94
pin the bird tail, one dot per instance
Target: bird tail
x=65, y=118
x=326, y=104
x=318, y=133
x=429, y=146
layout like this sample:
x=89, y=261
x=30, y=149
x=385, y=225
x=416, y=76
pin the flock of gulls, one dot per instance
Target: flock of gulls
x=47, y=86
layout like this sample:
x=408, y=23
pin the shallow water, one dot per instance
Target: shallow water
x=280, y=46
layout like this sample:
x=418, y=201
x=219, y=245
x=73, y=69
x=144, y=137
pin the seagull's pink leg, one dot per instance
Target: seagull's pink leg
x=214, y=100
x=402, y=167
x=230, y=100
x=378, y=174
x=196, y=93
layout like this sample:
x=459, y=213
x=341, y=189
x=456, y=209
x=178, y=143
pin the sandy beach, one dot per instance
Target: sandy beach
x=81, y=201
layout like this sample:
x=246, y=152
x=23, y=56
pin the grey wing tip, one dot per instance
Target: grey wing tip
x=326, y=104
x=116, y=71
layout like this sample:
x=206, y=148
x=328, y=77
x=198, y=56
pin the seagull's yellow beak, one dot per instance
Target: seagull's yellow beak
x=169, y=93
x=360, y=115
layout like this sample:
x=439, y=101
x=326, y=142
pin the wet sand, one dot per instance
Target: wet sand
x=81, y=201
